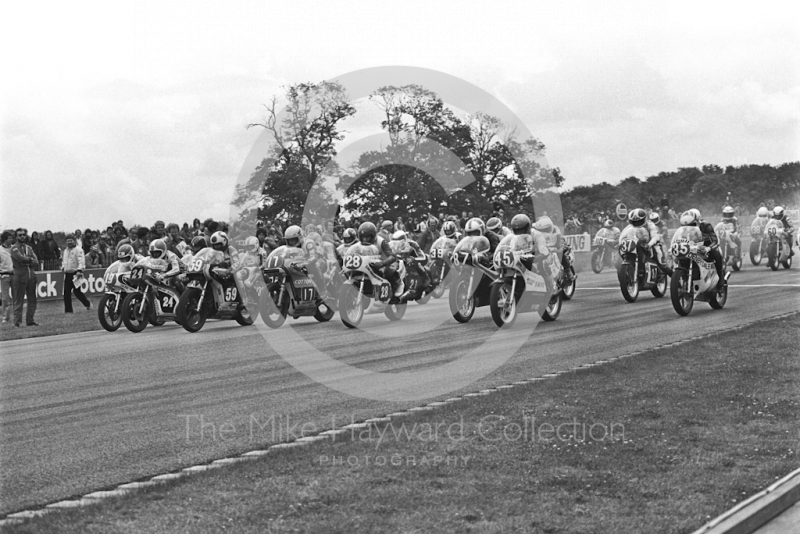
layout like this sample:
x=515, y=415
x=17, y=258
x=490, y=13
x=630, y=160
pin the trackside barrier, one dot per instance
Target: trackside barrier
x=579, y=242
x=50, y=284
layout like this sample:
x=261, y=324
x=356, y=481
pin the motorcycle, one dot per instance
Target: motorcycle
x=777, y=249
x=362, y=284
x=408, y=267
x=472, y=285
x=638, y=270
x=152, y=301
x=731, y=254
x=604, y=254
x=290, y=291
x=570, y=277
x=109, y=311
x=440, y=264
x=519, y=289
x=758, y=245
x=695, y=278
x=210, y=293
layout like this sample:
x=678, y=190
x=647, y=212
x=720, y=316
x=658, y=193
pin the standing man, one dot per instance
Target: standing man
x=25, y=262
x=6, y=273
x=73, y=264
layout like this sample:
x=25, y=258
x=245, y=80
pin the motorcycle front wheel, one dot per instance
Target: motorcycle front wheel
x=351, y=306
x=186, y=311
x=755, y=253
x=502, y=304
x=772, y=256
x=680, y=293
x=272, y=314
x=718, y=299
x=244, y=318
x=462, y=304
x=568, y=291
x=110, y=319
x=628, y=282
x=552, y=309
x=395, y=312
x=134, y=320
x=324, y=313
x=597, y=261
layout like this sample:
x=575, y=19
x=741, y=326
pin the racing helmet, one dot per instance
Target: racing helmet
x=475, y=227
x=293, y=236
x=198, y=244
x=637, y=217
x=251, y=244
x=349, y=236
x=688, y=218
x=763, y=212
x=158, y=249
x=544, y=224
x=654, y=218
x=728, y=212
x=399, y=236
x=697, y=215
x=449, y=229
x=609, y=223
x=219, y=241
x=387, y=226
x=367, y=233
x=520, y=224
x=777, y=212
x=315, y=237
x=125, y=253
x=494, y=224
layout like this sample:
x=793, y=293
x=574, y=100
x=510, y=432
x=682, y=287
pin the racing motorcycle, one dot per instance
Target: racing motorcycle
x=777, y=249
x=153, y=301
x=695, y=277
x=109, y=311
x=638, y=270
x=758, y=245
x=519, y=289
x=604, y=254
x=731, y=254
x=290, y=291
x=364, y=283
x=472, y=285
x=440, y=264
x=408, y=267
x=211, y=293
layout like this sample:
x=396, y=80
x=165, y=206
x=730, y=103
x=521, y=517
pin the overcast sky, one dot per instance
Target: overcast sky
x=138, y=111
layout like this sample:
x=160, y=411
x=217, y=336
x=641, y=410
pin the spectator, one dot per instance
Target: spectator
x=424, y=237
x=6, y=273
x=174, y=239
x=86, y=242
x=92, y=260
x=36, y=245
x=73, y=264
x=136, y=239
x=158, y=231
x=78, y=239
x=25, y=263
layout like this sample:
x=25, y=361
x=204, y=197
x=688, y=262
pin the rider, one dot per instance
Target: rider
x=778, y=213
x=710, y=240
x=368, y=235
x=521, y=226
x=608, y=232
x=475, y=227
x=401, y=237
x=348, y=238
x=228, y=254
x=555, y=241
x=315, y=264
x=732, y=224
x=387, y=228
x=127, y=259
x=164, y=262
x=495, y=225
x=450, y=231
x=638, y=219
x=663, y=234
x=250, y=261
x=761, y=220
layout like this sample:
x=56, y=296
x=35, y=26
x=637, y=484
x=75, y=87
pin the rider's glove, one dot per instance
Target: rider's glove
x=376, y=264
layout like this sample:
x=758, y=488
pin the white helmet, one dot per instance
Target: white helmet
x=474, y=225
x=763, y=212
x=777, y=212
x=697, y=215
x=293, y=236
x=251, y=244
x=399, y=236
x=219, y=241
x=688, y=218
x=544, y=224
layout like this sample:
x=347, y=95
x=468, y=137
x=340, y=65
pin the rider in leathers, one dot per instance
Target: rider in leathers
x=315, y=264
x=521, y=226
x=779, y=214
x=732, y=224
x=555, y=241
x=165, y=263
x=424, y=279
x=710, y=241
x=638, y=219
x=368, y=235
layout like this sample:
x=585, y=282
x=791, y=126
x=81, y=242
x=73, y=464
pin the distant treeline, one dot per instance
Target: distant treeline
x=708, y=188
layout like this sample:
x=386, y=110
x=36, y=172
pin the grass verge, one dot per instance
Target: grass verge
x=659, y=443
x=53, y=321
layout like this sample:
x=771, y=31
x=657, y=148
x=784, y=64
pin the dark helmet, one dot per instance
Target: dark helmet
x=198, y=243
x=637, y=217
x=520, y=224
x=367, y=233
x=349, y=236
x=494, y=224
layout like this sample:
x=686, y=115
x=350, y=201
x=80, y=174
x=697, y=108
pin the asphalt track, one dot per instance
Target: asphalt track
x=83, y=412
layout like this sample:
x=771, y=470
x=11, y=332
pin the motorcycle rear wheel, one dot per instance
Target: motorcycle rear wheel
x=660, y=289
x=568, y=291
x=243, y=320
x=681, y=296
x=395, y=312
x=787, y=263
x=324, y=316
x=134, y=321
x=462, y=305
x=755, y=253
x=186, y=311
x=109, y=319
x=552, y=309
x=502, y=315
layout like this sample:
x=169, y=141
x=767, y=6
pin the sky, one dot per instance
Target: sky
x=138, y=111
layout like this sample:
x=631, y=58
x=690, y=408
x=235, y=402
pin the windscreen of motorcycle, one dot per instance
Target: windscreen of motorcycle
x=690, y=234
x=400, y=247
x=633, y=232
x=472, y=243
x=359, y=249
x=522, y=242
x=444, y=243
x=209, y=255
x=774, y=223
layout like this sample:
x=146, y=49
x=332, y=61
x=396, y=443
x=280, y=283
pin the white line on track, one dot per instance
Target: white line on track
x=763, y=285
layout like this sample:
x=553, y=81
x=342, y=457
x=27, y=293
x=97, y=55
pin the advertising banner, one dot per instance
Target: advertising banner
x=580, y=242
x=50, y=284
